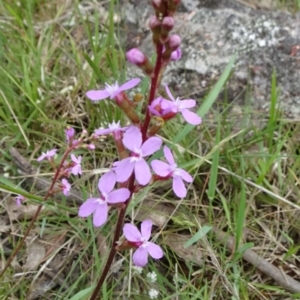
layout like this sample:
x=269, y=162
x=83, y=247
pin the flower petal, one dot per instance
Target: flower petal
x=169, y=93
x=100, y=214
x=140, y=257
x=102, y=131
x=88, y=207
x=142, y=172
x=132, y=138
x=124, y=169
x=191, y=117
x=131, y=233
x=151, y=145
x=160, y=168
x=155, y=251
x=107, y=182
x=40, y=158
x=187, y=103
x=186, y=176
x=146, y=228
x=179, y=187
x=96, y=95
x=119, y=195
x=169, y=156
x=130, y=84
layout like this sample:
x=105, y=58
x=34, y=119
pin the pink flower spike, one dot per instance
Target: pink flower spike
x=141, y=241
x=66, y=186
x=47, y=155
x=170, y=169
x=99, y=206
x=111, y=91
x=19, y=199
x=136, y=163
x=76, y=169
x=182, y=106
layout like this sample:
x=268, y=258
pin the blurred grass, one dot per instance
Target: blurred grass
x=50, y=55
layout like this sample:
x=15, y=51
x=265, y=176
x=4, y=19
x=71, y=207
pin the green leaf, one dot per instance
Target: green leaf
x=84, y=293
x=209, y=101
x=197, y=236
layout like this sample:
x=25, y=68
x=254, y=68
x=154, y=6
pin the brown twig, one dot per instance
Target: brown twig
x=260, y=263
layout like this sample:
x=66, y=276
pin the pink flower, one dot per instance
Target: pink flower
x=112, y=91
x=132, y=140
x=76, y=168
x=163, y=108
x=99, y=206
x=48, y=155
x=66, y=186
x=70, y=132
x=141, y=241
x=19, y=199
x=182, y=106
x=113, y=128
x=170, y=170
x=91, y=146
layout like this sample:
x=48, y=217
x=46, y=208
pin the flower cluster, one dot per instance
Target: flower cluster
x=136, y=143
x=71, y=167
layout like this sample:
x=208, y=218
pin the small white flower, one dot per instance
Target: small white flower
x=137, y=269
x=152, y=277
x=153, y=294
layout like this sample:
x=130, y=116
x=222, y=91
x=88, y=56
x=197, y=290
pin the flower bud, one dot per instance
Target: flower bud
x=156, y=3
x=70, y=132
x=136, y=57
x=174, y=42
x=155, y=26
x=176, y=55
x=171, y=45
x=172, y=6
x=167, y=25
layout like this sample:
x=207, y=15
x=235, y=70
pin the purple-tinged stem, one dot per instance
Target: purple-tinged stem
x=153, y=88
x=116, y=238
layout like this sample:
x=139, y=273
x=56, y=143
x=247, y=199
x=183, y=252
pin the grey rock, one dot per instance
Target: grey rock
x=263, y=41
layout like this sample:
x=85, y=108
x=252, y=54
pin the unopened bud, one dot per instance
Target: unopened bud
x=167, y=25
x=176, y=55
x=172, y=6
x=156, y=3
x=155, y=26
x=171, y=45
x=70, y=132
x=136, y=57
x=138, y=97
x=174, y=42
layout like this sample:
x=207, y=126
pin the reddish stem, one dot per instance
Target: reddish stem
x=116, y=238
x=144, y=130
x=153, y=88
x=55, y=178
